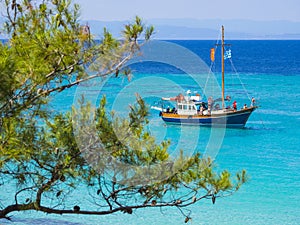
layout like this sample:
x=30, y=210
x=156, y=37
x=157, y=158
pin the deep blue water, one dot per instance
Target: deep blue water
x=268, y=147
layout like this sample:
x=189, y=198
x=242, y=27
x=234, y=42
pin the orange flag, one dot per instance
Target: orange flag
x=212, y=54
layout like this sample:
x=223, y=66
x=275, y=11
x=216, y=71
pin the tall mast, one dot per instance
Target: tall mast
x=223, y=79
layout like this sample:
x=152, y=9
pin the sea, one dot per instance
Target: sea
x=268, y=148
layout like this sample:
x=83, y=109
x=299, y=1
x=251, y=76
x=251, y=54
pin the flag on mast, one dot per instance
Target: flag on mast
x=227, y=54
x=212, y=54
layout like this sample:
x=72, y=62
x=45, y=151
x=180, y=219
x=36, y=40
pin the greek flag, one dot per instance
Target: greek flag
x=227, y=54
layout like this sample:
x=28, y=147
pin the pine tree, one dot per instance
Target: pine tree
x=47, y=52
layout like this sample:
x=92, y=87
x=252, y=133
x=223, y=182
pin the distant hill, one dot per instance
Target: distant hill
x=205, y=29
x=209, y=29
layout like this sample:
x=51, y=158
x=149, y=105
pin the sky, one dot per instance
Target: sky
x=259, y=10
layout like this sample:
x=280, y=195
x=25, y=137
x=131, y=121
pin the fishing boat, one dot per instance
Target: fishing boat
x=191, y=110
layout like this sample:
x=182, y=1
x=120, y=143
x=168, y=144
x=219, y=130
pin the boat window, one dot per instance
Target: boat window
x=194, y=107
x=190, y=107
x=180, y=106
x=185, y=107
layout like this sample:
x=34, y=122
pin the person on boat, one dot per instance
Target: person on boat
x=201, y=110
x=204, y=106
x=245, y=106
x=252, y=101
x=217, y=107
x=210, y=102
x=234, y=106
x=168, y=109
x=180, y=97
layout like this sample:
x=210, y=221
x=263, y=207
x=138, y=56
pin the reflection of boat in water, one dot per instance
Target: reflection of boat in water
x=192, y=110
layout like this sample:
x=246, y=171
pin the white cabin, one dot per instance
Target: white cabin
x=186, y=108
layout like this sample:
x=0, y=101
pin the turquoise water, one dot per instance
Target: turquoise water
x=268, y=148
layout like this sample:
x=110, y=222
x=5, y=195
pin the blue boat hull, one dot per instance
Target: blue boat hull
x=236, y=119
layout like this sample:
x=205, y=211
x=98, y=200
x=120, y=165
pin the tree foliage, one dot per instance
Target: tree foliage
x=119, y=163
